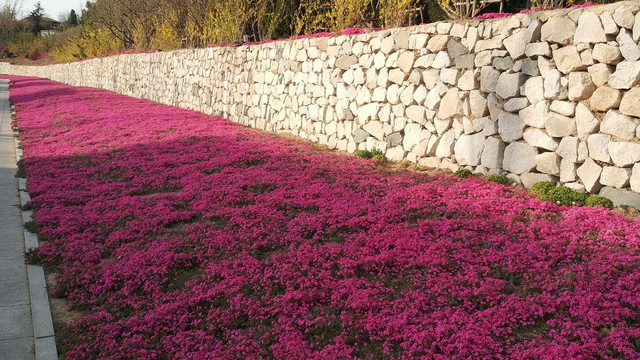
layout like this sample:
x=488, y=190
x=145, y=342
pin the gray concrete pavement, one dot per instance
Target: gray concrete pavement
x=26, y=329
x=16, y=324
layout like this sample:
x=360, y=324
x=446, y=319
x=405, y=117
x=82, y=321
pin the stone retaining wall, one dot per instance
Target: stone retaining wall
x=541, y=96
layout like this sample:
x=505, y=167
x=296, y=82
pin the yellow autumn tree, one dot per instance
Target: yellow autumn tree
x=397, y=13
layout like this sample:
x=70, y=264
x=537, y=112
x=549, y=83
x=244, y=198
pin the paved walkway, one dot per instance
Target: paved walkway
x=23, y=295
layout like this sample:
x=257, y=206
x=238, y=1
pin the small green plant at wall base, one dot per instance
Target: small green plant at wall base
x=462, y=173
x=31, y=226
x=500, y=179
x=32, y=257
x=20, y=173
x=597, y=200
x=405, y=164
x=379, y=158
x=565, y=196
x=365, y=154
x=376, y=152
x=542, y=188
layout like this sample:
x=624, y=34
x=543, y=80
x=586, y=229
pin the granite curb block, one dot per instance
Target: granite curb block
x=43, y=331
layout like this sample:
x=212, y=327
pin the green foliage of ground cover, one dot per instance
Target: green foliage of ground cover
x=597, y=200
x=542, y=188
x=462, y=173
x=499, y=178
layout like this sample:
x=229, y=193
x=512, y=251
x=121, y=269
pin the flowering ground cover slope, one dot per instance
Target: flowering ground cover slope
x=185, y=236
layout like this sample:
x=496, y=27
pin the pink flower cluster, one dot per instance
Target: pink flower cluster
x=504, y=15
x=186, y=236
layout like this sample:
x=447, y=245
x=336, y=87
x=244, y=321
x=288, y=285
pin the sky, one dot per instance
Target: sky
x=53, y=8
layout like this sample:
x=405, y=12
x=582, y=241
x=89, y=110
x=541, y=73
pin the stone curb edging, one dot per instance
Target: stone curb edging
x=43, y=331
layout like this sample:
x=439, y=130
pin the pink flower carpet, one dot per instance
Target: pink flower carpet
x=186, y=236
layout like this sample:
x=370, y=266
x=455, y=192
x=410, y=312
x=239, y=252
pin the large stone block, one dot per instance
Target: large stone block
x=600, y=73
x=516, y=43
x=605, y=98
x=615, y=177
x=568, y=148
x=609, y=25
x=567, y=59
x=537, y=49
x=493, y=153
x=488, y=79
x=567, y=170
x=548, y=163
x=580, y=86
x=553, y=84
x=516, y=104
x=455, y=48
x=468, y=149
x=413, y=134
x=376, y=129
x=396, y=154
x=449, y=76
x=621, y=197
x=345, y=61
x=519, y=157
x=624, y=17
x=636, y=29
x=558, y=30
x=510, y=127
x=416, y=113
x=598, y=145
x=406, y=60
x=534, y=89
x=586, y=122
x=618, y=124
x=589, y=174
x=442, y=60
x=485, y=125
x=508, y=85
x=607, y=54
x=565, y=108
x=624, y=153
x=444, y=148
x=540, y=139
x=589, y=29
x=626, y=76
x=437, y=43
x=535, y=115
x=559, y=125
x=450, y=105
x=628, y=47
x=630, y=104
x=635, y=178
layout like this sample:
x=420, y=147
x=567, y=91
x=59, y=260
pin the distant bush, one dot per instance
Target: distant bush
x=500, y=179
x=5, y=53
x=33, y=54
x=597, y=200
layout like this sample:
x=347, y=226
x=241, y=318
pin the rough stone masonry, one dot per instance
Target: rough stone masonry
x=549, y=95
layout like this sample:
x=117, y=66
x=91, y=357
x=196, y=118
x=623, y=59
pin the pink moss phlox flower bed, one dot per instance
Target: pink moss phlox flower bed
x=186, y=236
x=494, y=15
